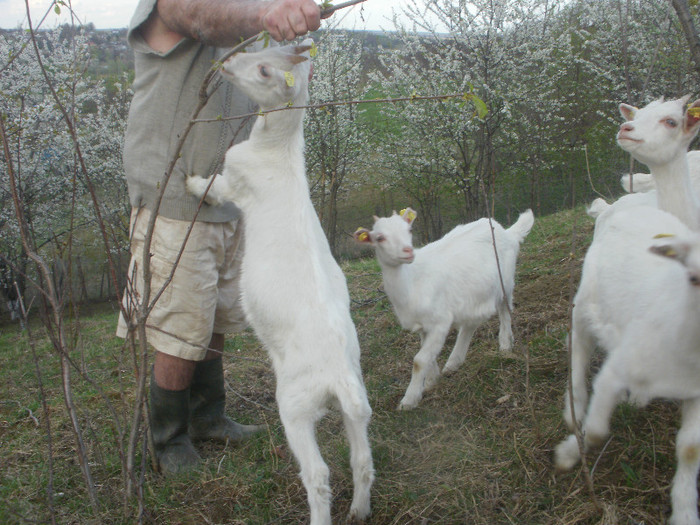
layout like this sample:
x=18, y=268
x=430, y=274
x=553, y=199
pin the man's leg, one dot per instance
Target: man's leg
x=169, y=410
x=208, y=400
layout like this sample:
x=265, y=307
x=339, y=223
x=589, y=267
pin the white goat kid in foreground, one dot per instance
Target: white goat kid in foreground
x=454, y=281
x=644, y=311
x=294, y=293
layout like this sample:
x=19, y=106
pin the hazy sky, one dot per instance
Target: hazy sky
x=107, y=14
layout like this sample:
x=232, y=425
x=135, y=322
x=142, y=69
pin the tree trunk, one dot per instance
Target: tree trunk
x=691, y=34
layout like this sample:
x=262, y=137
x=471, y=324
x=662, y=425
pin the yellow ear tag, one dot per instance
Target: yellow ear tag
x=362, y=237
x=408, y=215
x=694, y=112
x=289, y=77
x=313, y=51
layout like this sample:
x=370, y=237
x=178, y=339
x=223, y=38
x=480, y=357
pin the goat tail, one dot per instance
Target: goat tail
x=523, y=225
x=637, y=182
x=597, y=207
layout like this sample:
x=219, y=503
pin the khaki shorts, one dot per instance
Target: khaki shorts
x=203, y=297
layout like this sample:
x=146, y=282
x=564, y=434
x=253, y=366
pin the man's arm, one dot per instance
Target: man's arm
x=224, y=22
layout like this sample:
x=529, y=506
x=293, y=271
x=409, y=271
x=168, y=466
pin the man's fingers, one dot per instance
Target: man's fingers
x=287, y=19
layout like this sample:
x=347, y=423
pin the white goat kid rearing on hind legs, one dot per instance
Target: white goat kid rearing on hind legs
x=456, y=281
x=294, y=293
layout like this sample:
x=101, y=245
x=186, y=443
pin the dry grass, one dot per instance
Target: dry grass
x=477, y=450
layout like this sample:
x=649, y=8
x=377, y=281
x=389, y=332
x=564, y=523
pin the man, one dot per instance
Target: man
x=175, y=43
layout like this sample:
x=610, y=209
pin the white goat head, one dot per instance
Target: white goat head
x=659, y=131
x=686, y=251
x=274, y=76
x=391, y=237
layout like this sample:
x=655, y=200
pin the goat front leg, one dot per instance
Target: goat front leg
x=582, y=346
x=425, y=368
x=608, y=389
x=684, y=492
x=197, y=186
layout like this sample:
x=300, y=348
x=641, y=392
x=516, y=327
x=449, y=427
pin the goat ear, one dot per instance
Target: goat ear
x=362, y=236
x=627, y=111
x=409, y=215
x=676, y=250
x=692, y=116
x=298, y=50
x=296, y=59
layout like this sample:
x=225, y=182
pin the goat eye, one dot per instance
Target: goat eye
x=264, y=72
x=671, y=123
x=380, y=238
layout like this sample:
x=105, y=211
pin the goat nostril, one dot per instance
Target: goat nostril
x=695, y=280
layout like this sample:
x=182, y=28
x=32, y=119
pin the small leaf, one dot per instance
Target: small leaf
x=313, y=51
x=57, y=9
x=481, y=108
x=289, y=78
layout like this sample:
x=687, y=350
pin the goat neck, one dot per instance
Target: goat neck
x=675, y=193
x=281, y=126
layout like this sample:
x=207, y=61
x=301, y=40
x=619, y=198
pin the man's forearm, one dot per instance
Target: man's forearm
x=226, y=22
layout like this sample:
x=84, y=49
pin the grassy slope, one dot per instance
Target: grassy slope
x=477, y=450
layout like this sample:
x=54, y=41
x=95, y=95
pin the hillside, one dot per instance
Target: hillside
x=477, y=450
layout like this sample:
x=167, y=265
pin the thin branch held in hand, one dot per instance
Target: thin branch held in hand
x=327, y=11
x=323, y=105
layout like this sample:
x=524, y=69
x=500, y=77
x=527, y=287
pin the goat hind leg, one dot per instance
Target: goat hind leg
x=356, y=415
x=300, y=429
x=505, y=330
x=459, y=352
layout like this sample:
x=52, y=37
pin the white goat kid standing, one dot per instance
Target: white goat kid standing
x=639, y=308
x=454, y=281
x=643, y=312
x=294, y=293
x=658, y=135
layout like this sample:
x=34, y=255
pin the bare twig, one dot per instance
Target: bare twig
x=577, y=430
x=323, y=105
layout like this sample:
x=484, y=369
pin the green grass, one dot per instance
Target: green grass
x=477, y=450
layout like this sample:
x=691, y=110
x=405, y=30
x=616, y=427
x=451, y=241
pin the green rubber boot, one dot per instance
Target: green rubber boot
x=169, y=415
x=207, y=404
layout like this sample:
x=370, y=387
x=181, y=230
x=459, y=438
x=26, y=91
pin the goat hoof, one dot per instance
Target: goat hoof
x=406, y=405
x=566, y=454
x=447, y=370
x=357, y=517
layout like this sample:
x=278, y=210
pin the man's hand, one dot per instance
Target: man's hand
x=287, y=19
